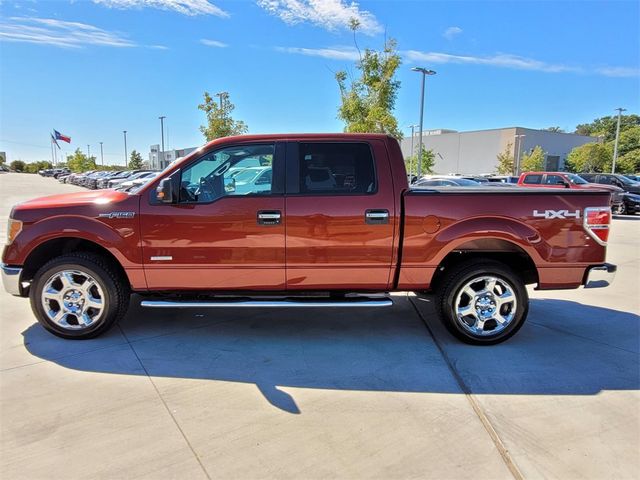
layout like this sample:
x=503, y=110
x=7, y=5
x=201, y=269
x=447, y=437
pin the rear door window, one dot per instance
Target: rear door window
x=336, y=169
x=533, y=179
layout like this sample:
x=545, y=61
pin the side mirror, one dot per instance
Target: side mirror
x=230, y=185
x=566, y=184
x=166, y=191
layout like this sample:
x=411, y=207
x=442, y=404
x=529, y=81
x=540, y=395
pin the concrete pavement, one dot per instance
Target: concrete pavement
x=263, y=394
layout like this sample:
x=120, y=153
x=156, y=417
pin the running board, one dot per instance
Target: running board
x=359, y=302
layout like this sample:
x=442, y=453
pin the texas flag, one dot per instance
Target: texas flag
x=62, y=137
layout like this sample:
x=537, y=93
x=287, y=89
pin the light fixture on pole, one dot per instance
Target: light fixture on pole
x=222, y=96
x=162, y=135
x=125, y=148
x=101, y=155
x=518, y=147
x=424, y=73
x=615, y=145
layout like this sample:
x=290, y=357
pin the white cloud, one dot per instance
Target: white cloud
x=60, y=33
x=328, y=14
x=213, y=43
x=451, y=32
x=498, y=60
x=618, y=71
x=516, y=62
x=185, y=7
x=334, y=53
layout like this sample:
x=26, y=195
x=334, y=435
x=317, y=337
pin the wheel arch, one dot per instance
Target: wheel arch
x=55, y=247
x=497, y=249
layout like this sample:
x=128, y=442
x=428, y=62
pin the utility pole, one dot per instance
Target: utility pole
x=101, y=155
x=125, y=148
x=162, y=135
x=424, y=73
x=88, y=152
x=615, y=145
x=517, y=159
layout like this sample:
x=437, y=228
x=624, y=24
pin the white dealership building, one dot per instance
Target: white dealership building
x=475, y=152
x=159, y=160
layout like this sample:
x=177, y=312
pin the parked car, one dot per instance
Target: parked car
x=104, y=181
x=509, y=179
x=635, y=178
x=446, y=182
x=60, y=171
x=620, y=181
x=570, y=181
x=252, y=180
x=632, y=189
x=128, y=185
x=115, y=183
x=354, y=231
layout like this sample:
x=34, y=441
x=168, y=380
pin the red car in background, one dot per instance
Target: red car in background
x=571, y=181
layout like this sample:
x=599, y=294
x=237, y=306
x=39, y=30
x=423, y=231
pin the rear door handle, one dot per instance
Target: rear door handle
x=269, y=217
x=376, y=217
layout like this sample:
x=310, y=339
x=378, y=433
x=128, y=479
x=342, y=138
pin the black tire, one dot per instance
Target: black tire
x=114, y=289
x=451, y=287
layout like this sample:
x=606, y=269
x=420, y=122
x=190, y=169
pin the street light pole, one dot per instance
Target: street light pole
x=125, y=148
x=88, y=152
x=615, y=145
x=221, y=96
x=162, y=135
x=424, y=73
x=517, y=159
x=101, y=155
x=412, y=127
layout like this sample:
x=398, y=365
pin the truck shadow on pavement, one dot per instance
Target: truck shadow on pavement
x=565, y=348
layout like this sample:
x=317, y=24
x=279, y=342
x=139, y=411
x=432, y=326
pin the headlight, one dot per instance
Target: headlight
x=13, y=229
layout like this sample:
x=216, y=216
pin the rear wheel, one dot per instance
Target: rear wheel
x=78, y=296
x=483, y=302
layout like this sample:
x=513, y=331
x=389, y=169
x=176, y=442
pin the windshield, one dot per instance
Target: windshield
x=575, y=179
x=625, y=180
x=463, y=182
x=246, y=176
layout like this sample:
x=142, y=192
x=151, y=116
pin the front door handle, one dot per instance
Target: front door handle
x=269, y=217
x=376, y=217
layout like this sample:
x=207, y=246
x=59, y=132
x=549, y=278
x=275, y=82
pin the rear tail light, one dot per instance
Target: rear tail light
x=596, y=222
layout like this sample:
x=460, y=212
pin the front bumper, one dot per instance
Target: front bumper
x=11, y=279
x=600, y=276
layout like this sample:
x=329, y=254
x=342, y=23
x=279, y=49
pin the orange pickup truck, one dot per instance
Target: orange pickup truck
x=321, y=220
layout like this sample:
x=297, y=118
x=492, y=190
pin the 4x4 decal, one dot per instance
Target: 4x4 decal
x=550, y=214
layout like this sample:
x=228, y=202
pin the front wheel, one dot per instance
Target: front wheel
x=78, y=296
x=483, y=302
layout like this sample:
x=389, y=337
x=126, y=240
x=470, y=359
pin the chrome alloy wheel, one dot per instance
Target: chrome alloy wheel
x=72, y=299
x=485, y=305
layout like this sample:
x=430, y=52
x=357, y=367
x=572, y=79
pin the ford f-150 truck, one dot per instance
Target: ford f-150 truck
x=335, y=225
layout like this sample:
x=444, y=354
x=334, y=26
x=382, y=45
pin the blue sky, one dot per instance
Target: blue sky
x=92, y=68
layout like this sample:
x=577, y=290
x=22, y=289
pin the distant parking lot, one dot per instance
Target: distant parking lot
x=317, y=393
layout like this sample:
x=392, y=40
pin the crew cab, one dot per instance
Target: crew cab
x=572, y=181
x=338, y=226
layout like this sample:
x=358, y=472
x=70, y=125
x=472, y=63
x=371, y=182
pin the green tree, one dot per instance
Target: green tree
x=17, y=166
x=78, y=162
x=428, y=162
x=220, y=123
x=367, y=104
x=629, y=140
x=589, y=158
x=135, y=161
x=506, y=161
x=629, y=162
x=606, y=126
x=533, y=161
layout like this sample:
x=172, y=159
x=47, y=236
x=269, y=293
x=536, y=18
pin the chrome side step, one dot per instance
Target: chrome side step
x=348, y=302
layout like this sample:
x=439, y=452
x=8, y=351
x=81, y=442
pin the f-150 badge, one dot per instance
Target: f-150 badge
x=117, y=215
x=549, y=214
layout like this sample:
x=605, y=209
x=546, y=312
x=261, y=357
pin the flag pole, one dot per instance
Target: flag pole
x=51, y=142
